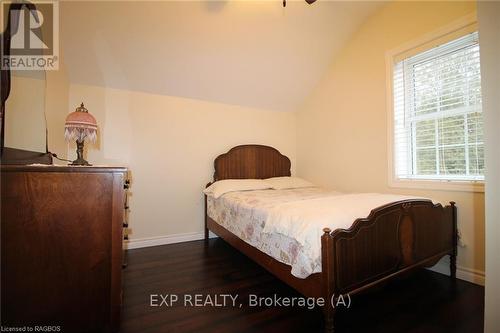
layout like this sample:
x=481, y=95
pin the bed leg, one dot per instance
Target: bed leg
x=453, y=266
x=206, y=219
x=453, y=254
x=329, y=313
x=327, y=266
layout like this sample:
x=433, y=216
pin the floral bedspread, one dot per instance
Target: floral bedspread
x=244, y=214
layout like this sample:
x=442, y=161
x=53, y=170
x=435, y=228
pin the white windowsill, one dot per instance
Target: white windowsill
x=439, y=185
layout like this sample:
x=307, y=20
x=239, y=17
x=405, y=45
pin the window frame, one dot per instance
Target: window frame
x=456, y=29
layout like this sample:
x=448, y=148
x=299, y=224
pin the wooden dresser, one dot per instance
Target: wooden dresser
x=61, y=243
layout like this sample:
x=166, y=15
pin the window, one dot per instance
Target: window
x=437, y=119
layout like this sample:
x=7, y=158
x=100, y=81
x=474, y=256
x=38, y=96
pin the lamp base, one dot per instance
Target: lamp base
x=79, y=155
x=80, y=161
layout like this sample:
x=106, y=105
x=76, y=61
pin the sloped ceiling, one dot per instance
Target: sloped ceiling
x=248, y=53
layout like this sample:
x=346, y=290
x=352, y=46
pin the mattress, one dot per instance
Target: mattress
x=287, y=224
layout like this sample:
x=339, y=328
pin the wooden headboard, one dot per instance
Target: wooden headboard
x=251, y=162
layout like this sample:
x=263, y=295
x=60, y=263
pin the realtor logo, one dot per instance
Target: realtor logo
x=34, y=35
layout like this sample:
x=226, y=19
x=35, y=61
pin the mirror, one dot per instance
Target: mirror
x=25, y=126
x=22, y=113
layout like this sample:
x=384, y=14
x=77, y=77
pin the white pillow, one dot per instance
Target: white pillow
x=281, y=183
x=232, y=185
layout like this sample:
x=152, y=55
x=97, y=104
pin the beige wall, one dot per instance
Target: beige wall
x=57, y=108
x=251, y=53
x=24, y=119
x=169, y=144
x=342, y=128
x=489, y=29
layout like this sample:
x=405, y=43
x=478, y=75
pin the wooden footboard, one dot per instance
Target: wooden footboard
x=392, y=239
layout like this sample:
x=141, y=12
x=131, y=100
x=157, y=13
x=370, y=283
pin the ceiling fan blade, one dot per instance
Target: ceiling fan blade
x=308, y=1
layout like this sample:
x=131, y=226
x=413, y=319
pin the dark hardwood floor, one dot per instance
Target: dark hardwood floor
x=423, y=302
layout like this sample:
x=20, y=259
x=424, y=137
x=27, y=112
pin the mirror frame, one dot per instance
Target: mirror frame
x=14, y=155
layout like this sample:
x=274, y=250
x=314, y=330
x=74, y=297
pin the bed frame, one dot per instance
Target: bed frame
x=394, y=239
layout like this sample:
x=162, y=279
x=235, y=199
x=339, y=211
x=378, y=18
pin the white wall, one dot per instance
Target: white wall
x=169, y=144
x=342, y=128
x=489, y=30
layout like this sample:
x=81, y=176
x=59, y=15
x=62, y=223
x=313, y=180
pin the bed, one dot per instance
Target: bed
x=395, y=238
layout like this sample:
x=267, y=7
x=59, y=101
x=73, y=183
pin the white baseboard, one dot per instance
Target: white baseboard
x=443, y=267
x=463, y=273
x=164, y=240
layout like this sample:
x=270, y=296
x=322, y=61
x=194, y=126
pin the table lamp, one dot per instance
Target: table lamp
x=80, y=126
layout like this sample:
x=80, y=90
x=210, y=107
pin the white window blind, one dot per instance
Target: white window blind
x=438, y=123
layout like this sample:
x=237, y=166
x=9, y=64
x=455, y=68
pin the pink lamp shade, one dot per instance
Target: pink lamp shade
x=80, y=125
